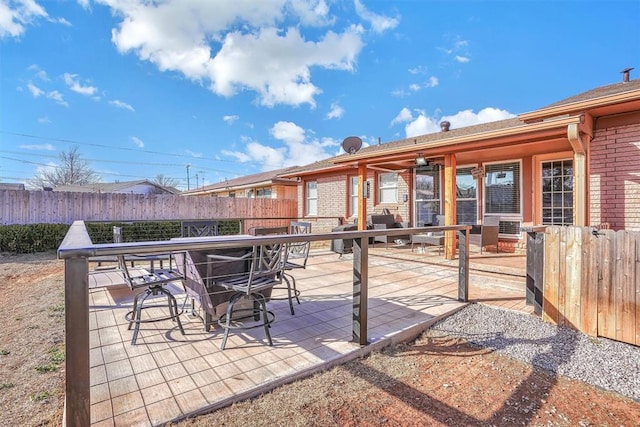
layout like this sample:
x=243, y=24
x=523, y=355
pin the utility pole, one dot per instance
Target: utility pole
x=188, y=166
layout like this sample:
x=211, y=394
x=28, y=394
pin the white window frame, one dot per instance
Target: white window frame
x=353, y=195
x=311, y=198
x=458, y=199
x=389, y=188
x=506, y=217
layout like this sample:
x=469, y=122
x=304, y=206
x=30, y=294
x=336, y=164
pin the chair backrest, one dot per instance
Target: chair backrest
x=264, y=231
x=299, y=251
x=490, y=230
x=193, y=282
x=200, y=228
x=440, y=219
x=117, y=234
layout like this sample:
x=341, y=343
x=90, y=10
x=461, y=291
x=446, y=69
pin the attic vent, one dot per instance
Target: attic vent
x=625, y=75
x=444, y=126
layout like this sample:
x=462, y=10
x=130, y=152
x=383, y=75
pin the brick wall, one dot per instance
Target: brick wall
x=615, y=177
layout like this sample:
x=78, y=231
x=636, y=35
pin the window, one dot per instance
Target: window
x=557, y=192
x=388, y=188
x=353, y=196
x=232, y=195
x=312, y=198
x=264, y=193
x=502, y=195
x=427, y=198
x=466, y=197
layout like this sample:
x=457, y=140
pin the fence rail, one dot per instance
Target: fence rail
x=592, y=281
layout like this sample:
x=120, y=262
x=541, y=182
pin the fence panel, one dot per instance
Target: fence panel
x=592, y=281
x=33, y=207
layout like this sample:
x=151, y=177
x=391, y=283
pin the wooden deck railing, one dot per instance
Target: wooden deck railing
x=77, y=248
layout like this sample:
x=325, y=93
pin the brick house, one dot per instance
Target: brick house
x=269, y=185
x=574, y=162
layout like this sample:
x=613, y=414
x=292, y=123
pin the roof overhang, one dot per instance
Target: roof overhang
x=602, y=106
x=403, y=157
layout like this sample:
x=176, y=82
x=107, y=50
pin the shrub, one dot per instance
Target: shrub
x=31, y=238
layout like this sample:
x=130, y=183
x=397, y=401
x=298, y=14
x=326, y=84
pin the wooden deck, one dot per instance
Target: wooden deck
x=167, y=376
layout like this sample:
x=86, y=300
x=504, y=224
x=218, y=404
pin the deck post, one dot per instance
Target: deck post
x=535, y=267
x=463, y=265
x=77, y=411
x=360, y=290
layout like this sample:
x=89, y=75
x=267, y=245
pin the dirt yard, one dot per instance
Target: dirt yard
x=435, y=380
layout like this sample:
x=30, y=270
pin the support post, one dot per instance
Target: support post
x=360, y=290
x=77, y=381
x=463, y=265
x=535, y=266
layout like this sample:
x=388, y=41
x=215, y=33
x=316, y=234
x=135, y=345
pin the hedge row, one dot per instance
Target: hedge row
x=44, y=237
x=31, y=238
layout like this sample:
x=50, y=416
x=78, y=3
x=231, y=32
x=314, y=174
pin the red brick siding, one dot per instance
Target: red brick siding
x=615, y=177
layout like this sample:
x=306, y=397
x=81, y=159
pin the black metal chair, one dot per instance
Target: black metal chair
x=265, y=273
x=154, y=283
x=292, y=291
x=432, y=238
x=298, y=254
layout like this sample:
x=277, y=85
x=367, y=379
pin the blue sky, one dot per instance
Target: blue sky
x=237, y=87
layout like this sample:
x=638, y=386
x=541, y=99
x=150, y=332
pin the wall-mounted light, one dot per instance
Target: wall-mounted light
x=421, y=161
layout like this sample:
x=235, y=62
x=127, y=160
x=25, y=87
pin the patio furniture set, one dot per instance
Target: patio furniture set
x=229, y=287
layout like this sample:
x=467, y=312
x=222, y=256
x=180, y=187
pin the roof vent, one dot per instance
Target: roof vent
x=444, y=126
x=625, y=75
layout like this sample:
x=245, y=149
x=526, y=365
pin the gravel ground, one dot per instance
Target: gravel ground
x=601, y=362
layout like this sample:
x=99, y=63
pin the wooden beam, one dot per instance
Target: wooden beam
x=362, y=202
x=450, y=204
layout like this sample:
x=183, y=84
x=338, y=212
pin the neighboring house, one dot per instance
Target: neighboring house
x=573, y=162
x=267, y=185
x=134, y=187
x=10, y=186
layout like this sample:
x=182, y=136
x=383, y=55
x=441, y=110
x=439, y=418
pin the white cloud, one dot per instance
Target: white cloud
x=236, y=46
x=459, y=50
x=84, y=4
x=433, y=82
x=60, y=21
x=299, y=148
x=44, y=120
x=72, y=81
x=336, y=111
x=54, y=94
x=137, y=141
x=35, y=90
x=423, y=124
x=230, y=119
x=403, y=116
x=16, y=15
x=379, y=23
x=120, y=104
x=38, y=147
x=39, y=73
x=193, y=153
x=420, y=69
x=57, y=96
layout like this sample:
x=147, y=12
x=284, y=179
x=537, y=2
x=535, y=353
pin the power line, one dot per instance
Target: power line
x=137, y=150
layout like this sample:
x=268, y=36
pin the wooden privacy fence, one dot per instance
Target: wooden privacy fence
x=592, y=281
x=49, y=207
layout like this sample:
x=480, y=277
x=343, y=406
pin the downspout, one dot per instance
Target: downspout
x=579, y=136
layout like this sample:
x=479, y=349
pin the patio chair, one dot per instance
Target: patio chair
x=298, y=254
x=489, y=232
x=434, y=238
x=154, y=284
x=292, y=291
x=265, y=272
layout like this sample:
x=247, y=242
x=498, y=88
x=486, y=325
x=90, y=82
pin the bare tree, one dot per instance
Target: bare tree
x=72, y=170
x=165, y=181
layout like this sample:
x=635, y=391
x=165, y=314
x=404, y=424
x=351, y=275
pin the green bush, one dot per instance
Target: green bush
x=31, y=238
